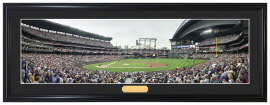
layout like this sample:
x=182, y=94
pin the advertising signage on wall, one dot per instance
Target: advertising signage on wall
x=174, y=43
x=178, y=46
x=178, y=43
x=185, y=46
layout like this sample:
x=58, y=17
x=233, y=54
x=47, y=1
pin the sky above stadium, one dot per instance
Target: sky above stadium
x=127, y=31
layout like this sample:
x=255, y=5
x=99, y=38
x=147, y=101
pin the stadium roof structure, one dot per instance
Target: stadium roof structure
x=192, y=29
x=45, y=24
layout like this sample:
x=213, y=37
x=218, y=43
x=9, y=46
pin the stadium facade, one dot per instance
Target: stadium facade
x=209, y=36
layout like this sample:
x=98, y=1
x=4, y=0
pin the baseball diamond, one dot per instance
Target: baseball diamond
x=142, y=65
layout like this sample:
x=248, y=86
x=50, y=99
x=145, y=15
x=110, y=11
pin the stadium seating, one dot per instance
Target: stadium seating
x=218, y=70
x=220, y=40
x=66, y=38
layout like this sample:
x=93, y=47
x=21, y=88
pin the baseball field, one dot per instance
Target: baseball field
x=131, y=65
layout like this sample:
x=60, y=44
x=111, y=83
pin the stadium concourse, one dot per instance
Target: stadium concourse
x=53, y=53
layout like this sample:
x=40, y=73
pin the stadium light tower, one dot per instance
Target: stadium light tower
x=147, y=40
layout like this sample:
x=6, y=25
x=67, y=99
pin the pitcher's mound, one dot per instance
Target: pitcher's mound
x=125, y=64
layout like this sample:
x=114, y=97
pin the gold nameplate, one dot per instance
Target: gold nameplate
x=135, y=89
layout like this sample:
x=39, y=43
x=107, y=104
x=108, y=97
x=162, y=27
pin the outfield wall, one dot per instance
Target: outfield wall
x=174, y=55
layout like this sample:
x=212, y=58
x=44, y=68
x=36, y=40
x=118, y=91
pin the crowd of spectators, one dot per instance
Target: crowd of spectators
x=81, y=50
x=233, y=69
x=223, y=55
x=209, y=55
x=64, y=49
x=197, y=55
x=148, y=51
x=220, y=40
x=152, y=51
x=233, y=49
x=182, y=50
x=70, y=49
x=184, y=55
x=57, y=68
x=66, y=38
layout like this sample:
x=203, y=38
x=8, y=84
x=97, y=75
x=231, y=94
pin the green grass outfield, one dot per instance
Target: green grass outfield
x=172, y=64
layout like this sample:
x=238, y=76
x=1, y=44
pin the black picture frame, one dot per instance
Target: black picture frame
x=13, y=12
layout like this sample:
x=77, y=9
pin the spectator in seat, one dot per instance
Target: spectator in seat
x=241, y=79
x=231, y=80
x=32, y=77
x=27, y=79
x=58, y=80
x=47, y=80
x=54, y=79
x=206, y=80
x=37, y=79
x=241, y=74
x=214, y=79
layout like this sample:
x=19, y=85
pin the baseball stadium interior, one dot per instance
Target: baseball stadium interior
x=202, y=52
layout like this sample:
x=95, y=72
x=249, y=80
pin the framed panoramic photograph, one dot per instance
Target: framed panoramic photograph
x=135, y=52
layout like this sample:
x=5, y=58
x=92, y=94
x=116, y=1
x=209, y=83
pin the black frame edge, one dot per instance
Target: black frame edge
x=10, y=98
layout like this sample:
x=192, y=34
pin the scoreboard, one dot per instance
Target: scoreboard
x=183, y=42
